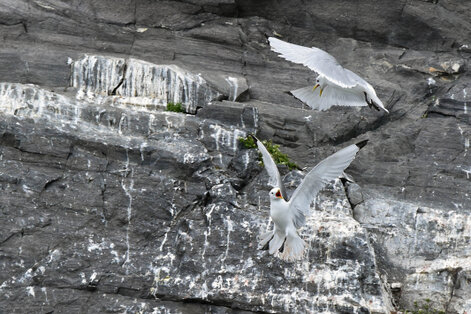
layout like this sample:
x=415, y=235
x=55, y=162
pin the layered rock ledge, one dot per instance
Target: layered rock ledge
x=110, y=203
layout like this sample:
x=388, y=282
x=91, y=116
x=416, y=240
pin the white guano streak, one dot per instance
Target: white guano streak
x=139, y=82
x=234, y=84
x=227, y=138
x=128, y=191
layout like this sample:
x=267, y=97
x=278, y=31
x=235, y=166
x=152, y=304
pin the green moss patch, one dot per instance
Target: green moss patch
x=274, y=150
x=175, y=107
x=247, y=142
x=423, y=309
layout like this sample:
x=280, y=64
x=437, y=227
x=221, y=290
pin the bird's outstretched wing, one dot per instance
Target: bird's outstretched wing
x=324, y=172
x=270, y=166
x=317, y=60
x=331, y=96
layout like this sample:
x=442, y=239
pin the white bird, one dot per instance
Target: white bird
x=335, y=85
x=289, y=215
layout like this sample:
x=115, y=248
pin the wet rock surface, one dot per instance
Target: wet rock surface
x=110, y=203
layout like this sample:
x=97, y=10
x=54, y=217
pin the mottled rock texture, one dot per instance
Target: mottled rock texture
x=110, y=204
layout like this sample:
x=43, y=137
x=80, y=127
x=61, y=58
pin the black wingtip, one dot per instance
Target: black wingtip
x=282, y=247
x=361, y=144
x=375, y=105
x=253, y=137
x=266, y=246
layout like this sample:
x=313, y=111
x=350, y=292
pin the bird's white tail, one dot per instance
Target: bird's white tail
x=294, y=247
x=276, y=242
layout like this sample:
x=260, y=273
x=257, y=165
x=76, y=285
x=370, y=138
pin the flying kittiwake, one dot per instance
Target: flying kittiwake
x=335, y=85
x=289, y=215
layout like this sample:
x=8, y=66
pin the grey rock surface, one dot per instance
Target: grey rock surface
x=109, y=203
x=140, y=83
x=146, y=212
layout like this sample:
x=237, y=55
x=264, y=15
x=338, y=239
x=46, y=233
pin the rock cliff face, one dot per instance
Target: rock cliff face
x=110, y=204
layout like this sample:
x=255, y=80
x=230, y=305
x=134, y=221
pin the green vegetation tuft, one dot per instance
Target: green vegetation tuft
x=175, y=107
x=248, y=142
x=278, y=156
x=423, y=309
x=274, y=150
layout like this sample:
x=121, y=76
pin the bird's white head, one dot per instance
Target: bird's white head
x=275, y=194
x=321, y=80
x=321, y=83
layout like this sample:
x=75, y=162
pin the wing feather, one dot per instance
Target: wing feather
x=317, y=60
x=324, y=172
x=272, y=169
x=331, y=96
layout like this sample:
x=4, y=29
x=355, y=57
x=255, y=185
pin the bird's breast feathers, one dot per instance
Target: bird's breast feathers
x=279, y=213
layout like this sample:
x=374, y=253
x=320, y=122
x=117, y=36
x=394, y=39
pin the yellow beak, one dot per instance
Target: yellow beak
x=314, y=88
x=320, y=94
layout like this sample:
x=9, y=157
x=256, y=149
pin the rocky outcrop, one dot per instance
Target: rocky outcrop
x=110, y=203
x=140, y=83
x=144, y=212
x=435, y=262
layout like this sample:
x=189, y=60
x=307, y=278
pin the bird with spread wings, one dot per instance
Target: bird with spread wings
x=290, y=214
x=335, y=85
